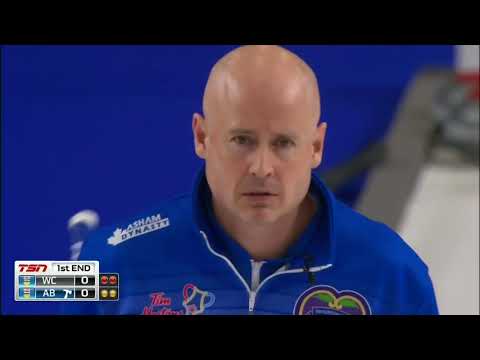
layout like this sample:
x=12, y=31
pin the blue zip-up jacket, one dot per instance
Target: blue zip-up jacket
x=176, y=260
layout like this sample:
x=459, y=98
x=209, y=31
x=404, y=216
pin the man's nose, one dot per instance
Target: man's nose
x=262, y=163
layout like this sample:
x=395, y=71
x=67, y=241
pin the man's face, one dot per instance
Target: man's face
x=259, y=156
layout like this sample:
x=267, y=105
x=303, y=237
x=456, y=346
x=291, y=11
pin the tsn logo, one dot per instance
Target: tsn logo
x=32, y=267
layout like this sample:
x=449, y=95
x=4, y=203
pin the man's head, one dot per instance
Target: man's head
x=259, y=137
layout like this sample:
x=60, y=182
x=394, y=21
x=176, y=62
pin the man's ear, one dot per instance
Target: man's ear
x=199, y=135
x=318, y=144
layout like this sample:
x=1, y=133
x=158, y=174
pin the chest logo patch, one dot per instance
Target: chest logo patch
x=137, y=228
x=326, y=300
x=195, y=301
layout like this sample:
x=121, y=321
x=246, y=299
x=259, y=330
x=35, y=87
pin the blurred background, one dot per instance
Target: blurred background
x=108, y=128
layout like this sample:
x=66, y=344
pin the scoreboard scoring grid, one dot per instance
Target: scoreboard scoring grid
x=64, y=281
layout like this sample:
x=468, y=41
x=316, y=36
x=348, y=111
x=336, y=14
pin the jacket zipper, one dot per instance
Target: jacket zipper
x=256, y=266
x=281, y=271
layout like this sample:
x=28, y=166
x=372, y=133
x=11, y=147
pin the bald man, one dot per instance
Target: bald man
x=260, y=233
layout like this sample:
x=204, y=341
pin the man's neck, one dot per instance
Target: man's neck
x=268, y=241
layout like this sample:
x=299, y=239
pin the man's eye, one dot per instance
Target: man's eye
x=242, y=140
x=284, y=143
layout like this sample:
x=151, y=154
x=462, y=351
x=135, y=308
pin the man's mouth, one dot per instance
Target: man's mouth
x=259, y=193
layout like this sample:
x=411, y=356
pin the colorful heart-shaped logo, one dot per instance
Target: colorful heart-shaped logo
x=195, y=301
x=326, y=300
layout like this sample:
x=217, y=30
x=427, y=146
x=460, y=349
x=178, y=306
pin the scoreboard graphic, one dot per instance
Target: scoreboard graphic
x=64, y=281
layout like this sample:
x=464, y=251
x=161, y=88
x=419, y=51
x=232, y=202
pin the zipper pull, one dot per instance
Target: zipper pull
x=251, y=303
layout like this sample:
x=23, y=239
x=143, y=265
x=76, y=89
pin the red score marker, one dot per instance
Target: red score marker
x=113, y=280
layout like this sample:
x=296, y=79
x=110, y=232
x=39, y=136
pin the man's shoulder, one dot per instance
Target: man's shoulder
x=172, y=213
x=390, y=268
x=362, y=237
x=149, y=231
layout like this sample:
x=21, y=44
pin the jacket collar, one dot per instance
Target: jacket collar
x=319, y=252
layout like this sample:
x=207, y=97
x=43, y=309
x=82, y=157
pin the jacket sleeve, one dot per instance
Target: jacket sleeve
x=429, y=305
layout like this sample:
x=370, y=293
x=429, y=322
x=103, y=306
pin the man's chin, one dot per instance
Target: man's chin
x=260, y=216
